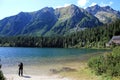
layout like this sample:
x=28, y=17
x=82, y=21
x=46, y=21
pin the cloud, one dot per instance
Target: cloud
x=93, y=4
x=65, y=5
x=106, y=4
x=82, y=3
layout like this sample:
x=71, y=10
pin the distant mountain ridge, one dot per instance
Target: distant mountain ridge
x=49, y=22
x=104, y=14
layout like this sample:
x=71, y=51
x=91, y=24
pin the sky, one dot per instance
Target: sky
x=13, y=7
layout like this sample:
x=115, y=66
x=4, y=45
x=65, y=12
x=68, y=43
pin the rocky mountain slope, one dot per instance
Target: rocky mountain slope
x=52, y=22
x=104, y=14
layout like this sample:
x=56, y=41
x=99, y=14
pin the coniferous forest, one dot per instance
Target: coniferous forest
x=89, y=38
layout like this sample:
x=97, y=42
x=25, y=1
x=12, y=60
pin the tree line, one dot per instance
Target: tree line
x=93, y=37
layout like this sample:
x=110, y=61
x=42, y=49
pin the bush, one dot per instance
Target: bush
x=97, y=64
x=108, y=64
x=1, y=76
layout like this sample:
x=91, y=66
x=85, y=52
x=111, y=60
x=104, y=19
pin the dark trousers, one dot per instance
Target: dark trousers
x=20, y=72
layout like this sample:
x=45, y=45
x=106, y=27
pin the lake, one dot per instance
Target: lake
x=40, y=60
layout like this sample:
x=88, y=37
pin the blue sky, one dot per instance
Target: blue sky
x=13, y=7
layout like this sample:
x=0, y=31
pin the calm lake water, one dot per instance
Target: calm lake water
x=38, y=60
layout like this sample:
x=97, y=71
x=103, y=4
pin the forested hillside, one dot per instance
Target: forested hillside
x=89, y=38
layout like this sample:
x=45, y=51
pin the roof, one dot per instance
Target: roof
x=115, y=39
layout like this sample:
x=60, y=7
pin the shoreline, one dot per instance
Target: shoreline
x=36, y=72
x=43, y=69
x=56, y=47
x=34, y=77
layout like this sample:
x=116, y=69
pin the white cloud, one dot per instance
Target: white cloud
x=106, y=4
x=82, y=3
x=93, y=4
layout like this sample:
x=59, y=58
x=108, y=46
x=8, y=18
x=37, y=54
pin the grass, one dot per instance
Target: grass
x=83, y=72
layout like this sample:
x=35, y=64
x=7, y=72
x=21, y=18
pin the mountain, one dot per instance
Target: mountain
x=72, y=18
x=15, y=24
x=104, y=14
x=42, y=21
x=48, y=22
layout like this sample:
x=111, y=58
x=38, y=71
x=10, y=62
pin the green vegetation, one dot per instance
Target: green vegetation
x=107, y=64
x=48, y=21
x=1, y=76
x=96, y=37
x=88, y=38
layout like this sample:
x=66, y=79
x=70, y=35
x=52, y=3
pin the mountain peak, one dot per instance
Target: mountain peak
x=95, y=5
x=47, y=9
x=105, y=14
x=107, y=8
x=93, y=9
x=72, y=5
x=48, y=21
x=68, y=10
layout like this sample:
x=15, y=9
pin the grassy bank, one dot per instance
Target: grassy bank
x=83, y=72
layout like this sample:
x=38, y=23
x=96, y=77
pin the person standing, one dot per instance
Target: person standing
x=20, y=73
x=0, y=64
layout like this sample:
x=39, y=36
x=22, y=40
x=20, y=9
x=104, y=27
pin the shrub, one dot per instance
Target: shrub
x=108, y=64
x=1, y=76
x=97, y=64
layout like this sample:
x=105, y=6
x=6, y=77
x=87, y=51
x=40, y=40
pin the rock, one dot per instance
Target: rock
x=63, y=69
x=54, y=71
x=67, y=69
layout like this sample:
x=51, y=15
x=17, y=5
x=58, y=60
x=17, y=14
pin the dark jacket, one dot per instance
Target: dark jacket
x=20, y=66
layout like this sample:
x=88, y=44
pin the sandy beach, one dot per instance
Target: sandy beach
x=33, y=77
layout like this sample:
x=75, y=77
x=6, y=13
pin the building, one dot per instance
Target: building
x=115, y=40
